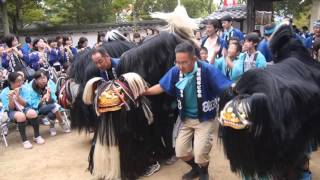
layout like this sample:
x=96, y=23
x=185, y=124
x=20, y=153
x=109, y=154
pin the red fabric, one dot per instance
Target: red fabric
x=234, y=2
x=227, y=3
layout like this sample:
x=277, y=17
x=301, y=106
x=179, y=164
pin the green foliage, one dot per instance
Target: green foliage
x=293, y=8
x=94, y=11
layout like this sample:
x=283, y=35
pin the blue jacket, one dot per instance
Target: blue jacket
x=74, y=53
x=8, y=60
x=55, y=55
x=233, y=74
x=210, y=84
x=26, y=49
x=114, y=65
x=33, y=98
x=309, y=41
x=34, y=59
x=238, y=65
x=264, y=48
x=233, y=32
x=4, y=96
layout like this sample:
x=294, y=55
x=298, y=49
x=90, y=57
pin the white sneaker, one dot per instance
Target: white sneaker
x=152, y=169
x=53, y=131
x=45, y=121
x=27, y=144
x=39, y=140
x=65, y=127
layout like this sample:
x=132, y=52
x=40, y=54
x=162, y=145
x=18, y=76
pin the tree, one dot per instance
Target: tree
x=4, y=15
x=297, y=9
x=291, y=7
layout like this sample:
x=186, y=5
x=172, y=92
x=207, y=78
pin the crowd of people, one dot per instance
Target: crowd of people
x=234, y=53
x=225, y=53
x=28, y=74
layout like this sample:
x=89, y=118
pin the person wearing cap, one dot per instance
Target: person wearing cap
x=230, y=31
x=315, y=37
x=251, y=58
x=263, y=46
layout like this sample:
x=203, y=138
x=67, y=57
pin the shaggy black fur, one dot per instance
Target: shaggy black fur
x=285, y=111
x=139, y=143
x=152, y=60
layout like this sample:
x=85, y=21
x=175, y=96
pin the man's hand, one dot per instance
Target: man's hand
x=154, y=90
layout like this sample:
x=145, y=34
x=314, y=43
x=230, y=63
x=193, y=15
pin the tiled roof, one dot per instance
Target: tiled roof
x=237, y=13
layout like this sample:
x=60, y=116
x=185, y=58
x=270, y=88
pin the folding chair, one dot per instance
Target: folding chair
x=4, y=126
x=65, y=114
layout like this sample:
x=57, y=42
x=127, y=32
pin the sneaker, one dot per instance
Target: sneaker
x=53, y=131
x=152, y=169
x=171, y=161
x=65, y=127
x=27, y=145
x=39, y=140
x=45, y=121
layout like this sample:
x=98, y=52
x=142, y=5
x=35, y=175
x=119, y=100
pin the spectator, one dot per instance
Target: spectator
x=12, y=58
x=68, y=52
x=305, y=32
x=42, y=98
x=100, y=39
x=228, y=64
x=263, y=46
x=230, y=31
x=198, y=36
x=59, y=40
x=137, y=38
x=82, y=44
x=126, y=34
x=39, y=57
x=27, y=46
x=149, y=32
x=315, y=37
x=15, y=101
x=252, y=58
x=55, y=55
x=204, y=54
x=316, y=50
x=212, y=41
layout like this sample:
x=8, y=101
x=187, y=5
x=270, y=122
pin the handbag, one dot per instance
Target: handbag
x=28, y=71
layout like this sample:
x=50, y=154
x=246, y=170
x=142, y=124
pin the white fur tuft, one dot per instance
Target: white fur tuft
x=88, y=92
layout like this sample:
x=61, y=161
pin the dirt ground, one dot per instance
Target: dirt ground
x=64, y=157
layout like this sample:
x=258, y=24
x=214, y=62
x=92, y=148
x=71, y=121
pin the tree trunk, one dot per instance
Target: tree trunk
x=19, y=23
x=5, y=19
x=210, y=7
x=251, y=15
